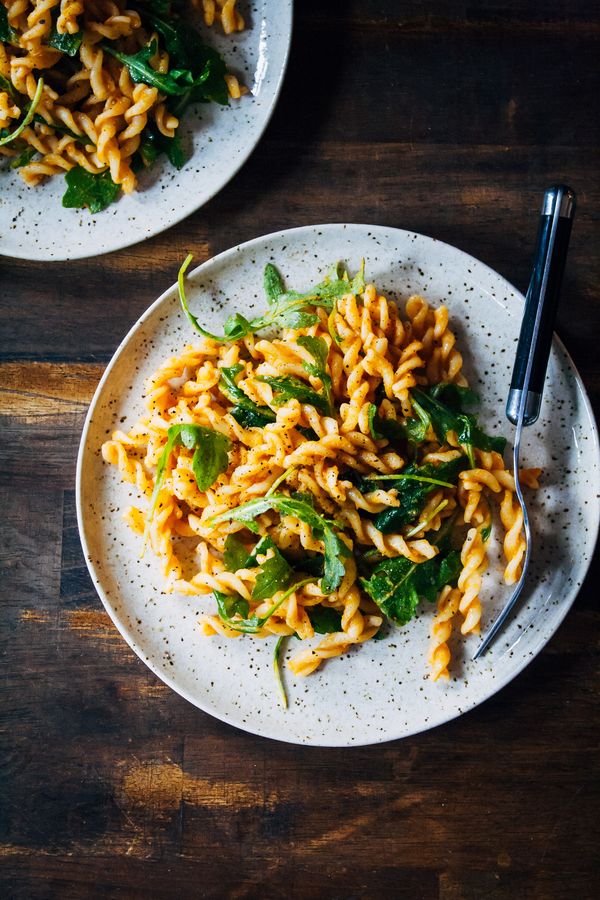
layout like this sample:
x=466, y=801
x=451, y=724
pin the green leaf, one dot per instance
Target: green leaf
x=318, y=349
x=322, y=528
x=287, y=309
x=230, y=605
x=140, y=70
x=84, y=189
x=153, y=143
x=252, y=418
x=324, y=619
x=25, y=157
x=246, y=412
x=229, y=386
x=273, y=283
x=412, y=486
x=414, y=430
x=66, y=43
x=192, y=61
x=236, y=554
x=396, y=585
x=6, y=85
x=7, y=33
x=297, y=318
x=486, y=532
x=274, y=575
x=334, y=569
x=288, y=387
x=210, y=458
x=444, y=403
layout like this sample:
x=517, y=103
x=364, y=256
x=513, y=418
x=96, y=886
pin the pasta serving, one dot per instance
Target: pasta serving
x=96, y=88
x=326, y=476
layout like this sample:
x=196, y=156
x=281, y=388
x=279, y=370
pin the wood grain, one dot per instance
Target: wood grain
x=447, y=118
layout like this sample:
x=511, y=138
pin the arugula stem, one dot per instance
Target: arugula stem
x=183, y=300
x=279, y=480
x=420, y=525
x=277, y=670
x=254, y=624
x=28, y=117
x=410, y=478
x=420, y=412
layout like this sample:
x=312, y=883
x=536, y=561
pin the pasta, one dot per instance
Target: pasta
x=326, y=477
x=96, y=89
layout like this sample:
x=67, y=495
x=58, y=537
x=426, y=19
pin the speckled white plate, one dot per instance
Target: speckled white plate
x=33, y=223
x=379, y=690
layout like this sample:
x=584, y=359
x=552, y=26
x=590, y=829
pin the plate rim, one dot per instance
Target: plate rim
x=268, y=732
x=288, y=11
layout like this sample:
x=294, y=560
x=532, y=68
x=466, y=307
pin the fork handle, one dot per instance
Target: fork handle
x=552, y=243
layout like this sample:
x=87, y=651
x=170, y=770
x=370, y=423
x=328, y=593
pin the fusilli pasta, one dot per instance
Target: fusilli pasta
x=338, y=478
x=113, y=84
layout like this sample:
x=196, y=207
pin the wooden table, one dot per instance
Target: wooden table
x=439, y=117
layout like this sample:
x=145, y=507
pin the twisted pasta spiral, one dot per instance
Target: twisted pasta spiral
x=309, y=438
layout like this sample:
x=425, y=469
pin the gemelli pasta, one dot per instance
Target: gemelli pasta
x=97, y=88
x=315, y=472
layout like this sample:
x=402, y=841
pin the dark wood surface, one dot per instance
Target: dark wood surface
x=447, y=118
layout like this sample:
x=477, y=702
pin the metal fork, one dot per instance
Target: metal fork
x=531, y=361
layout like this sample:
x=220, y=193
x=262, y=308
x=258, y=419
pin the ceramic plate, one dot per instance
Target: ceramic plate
x=379, y=690
x=33, y=223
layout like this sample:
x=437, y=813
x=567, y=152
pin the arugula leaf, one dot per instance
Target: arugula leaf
x=324, y=619
x=274, y=575
x=5, y=84
x=275, y=572
x=208, y=462
x=25, y=157
x=140, y=70
x=318, y=349
x=85, y=189
x=444, y=403
x=298, y=318
x=204, y=82
x=246, y=412
x=273, y=283
x=334, y=569
x=414, y=430
x=322, y=528
x=287, y=387
x=153, y=143
x=235, y=555
x=251, y=418
x=412, y=486
x=396, y=585
x=229, y=386
x=288, y=309
x=312, y=565
x=193, y=63
x=66, y=43
x=210, y=457
x=228, y=605
x=7, y=32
